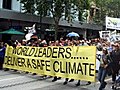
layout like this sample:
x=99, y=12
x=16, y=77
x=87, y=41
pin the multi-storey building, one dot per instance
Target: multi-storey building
x=11, y=5
x=11, y=15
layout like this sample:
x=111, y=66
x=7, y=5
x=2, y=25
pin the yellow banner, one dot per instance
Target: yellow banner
x=76, y=62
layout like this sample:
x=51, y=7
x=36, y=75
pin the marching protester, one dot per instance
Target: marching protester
x=66, y=79
x=76, y=43
x=114, y=52
x=55, y=77
x=83, y=43
x=103, y=69
x=115, y=58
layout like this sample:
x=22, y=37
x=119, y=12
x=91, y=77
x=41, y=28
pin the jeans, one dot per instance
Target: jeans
x=114, y=77
x=101, y=77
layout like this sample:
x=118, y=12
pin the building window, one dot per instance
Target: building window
x=7, y=4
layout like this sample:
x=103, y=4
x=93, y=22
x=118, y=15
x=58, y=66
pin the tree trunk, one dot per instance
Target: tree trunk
x=56, y=19
x=56, y=29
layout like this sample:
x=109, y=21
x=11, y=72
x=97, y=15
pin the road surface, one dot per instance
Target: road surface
x=16, y=80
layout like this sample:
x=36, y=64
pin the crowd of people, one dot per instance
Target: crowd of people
x=109, y=61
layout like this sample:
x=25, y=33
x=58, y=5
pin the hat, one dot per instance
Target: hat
x=104, y=48
x=112, y=42
x=116, y=45
x=44, y=42
x=83, y=41
x=24, y=40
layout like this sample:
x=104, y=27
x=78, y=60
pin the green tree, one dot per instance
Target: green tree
x=58, y=9
x=114, y=8
x=28, y=6
x=109, y=8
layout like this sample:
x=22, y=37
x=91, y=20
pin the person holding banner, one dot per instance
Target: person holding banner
x=70, y=43
x=76, y=43
x=83, y=43
x=56, y=43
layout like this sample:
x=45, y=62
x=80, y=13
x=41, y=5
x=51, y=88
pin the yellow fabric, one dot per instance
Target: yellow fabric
x=76, y=62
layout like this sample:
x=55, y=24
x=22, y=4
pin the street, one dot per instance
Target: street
x=12, y=80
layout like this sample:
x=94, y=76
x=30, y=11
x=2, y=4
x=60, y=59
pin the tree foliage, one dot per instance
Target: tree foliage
x=109, y=8
x=28, y=6
x=57, y=8
x=67, y=9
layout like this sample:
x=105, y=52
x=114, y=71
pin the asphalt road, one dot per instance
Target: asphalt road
x=11, y=80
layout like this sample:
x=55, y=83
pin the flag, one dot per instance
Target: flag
x=32, y=29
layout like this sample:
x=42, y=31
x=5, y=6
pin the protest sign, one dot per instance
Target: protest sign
x=76, y=62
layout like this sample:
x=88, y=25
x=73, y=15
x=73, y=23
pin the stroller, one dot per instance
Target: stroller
x=116, y=85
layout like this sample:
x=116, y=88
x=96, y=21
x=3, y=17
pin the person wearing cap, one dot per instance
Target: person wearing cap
x=115, y=61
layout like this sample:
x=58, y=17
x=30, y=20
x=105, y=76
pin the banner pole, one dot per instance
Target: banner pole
x=106, y=23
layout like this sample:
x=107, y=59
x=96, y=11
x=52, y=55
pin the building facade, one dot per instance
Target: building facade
x=11, y=5
x=11, y=15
